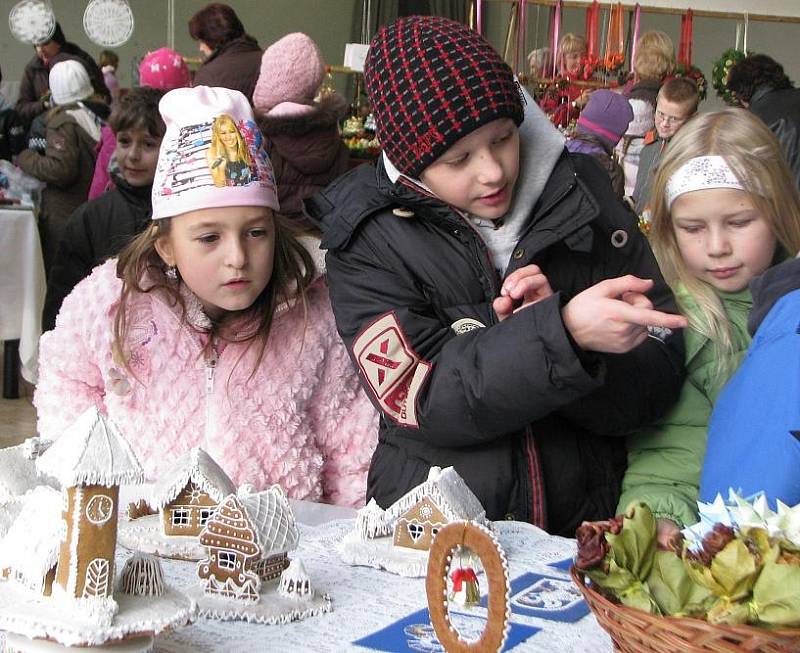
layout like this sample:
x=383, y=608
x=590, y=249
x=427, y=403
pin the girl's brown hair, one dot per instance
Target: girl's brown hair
x=143, y=271
x=754, y=155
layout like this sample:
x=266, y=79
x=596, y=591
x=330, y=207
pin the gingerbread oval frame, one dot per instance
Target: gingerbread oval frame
x=484, y=544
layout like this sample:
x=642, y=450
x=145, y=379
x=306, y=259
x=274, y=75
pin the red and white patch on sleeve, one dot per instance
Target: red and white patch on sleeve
x=393, y=370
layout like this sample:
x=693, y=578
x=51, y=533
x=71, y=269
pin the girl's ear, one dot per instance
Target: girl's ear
x=163, y=246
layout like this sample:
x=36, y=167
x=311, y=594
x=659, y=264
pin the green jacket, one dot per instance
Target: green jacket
x=664, y=460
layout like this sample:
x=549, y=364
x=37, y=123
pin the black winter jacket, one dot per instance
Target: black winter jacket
x=524, y=417
x=96, y=231
x=780, y=111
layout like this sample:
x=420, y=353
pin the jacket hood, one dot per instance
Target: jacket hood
x=769, y=287
x=323, y=115
x=309, y=142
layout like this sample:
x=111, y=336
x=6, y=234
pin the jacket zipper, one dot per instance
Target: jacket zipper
x=210, y=366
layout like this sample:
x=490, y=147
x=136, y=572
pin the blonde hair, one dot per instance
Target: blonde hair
x=142, y=271
x=650, y=64
x=217, y=149
x=754, y=155
x=660, y=41
x=570, y=44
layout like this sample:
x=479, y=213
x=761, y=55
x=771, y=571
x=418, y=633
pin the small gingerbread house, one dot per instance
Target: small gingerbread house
x=190, y=492
x=248, y=539
x=418, y=516
x=90, y=460
x=232, y=550
x=29, y=550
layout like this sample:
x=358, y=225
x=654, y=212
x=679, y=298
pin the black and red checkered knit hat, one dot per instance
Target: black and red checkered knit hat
x=432, y=81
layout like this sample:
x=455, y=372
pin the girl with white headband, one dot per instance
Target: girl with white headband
x=214, y=329
x=725, y=209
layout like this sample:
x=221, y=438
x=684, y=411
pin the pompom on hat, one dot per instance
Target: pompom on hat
x=212, y=154
x=431, y=81
x=164, y=69
x=292, y=69
x=69, y=82
x=606, y=115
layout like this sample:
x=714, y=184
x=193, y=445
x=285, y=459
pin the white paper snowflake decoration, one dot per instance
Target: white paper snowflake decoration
x=108, y=23
x=32, y=21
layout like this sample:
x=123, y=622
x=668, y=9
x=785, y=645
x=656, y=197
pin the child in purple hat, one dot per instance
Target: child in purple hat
x=600, y=127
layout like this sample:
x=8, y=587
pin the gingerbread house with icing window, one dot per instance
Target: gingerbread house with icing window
x=90, y=460
x=189, y=493
x=415, y=519
x=247, y=540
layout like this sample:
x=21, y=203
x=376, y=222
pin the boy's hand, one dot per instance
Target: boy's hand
x=612, y=316
x=521, y=288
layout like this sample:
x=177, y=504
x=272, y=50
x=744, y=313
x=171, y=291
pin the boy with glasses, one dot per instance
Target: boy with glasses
x=677, y=102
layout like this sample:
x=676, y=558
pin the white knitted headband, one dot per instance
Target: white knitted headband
x=700, y=173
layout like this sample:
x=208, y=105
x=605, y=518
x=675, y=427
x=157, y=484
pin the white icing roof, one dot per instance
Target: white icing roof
x=9, y=511
x=272, y=520
x=449, y=491
x=17, y=473
x=31, y=544
x=197, y=466
x=92, y=451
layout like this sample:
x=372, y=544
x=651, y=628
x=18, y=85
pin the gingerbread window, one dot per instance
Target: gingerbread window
x=226, y=560
x=180, y=517
x=415, y=530
x=205, y=515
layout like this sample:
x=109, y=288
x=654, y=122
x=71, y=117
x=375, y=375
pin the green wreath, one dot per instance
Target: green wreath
x=719, y=76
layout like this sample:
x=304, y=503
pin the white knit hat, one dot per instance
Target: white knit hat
x=69, y=82
x=196, y=168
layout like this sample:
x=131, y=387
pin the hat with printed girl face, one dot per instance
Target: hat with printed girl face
x=431, y=81
x=212, y=154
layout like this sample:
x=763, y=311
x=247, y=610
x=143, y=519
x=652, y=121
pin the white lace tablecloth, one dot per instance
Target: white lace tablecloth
x=546, y=610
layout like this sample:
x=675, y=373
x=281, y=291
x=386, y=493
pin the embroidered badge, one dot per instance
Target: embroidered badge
x=466, y=324
x=393, y=370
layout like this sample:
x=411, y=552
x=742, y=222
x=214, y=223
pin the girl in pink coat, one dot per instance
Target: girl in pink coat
x=212, y=329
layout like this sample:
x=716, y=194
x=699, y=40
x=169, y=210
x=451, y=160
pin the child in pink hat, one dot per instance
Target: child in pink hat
x=302, y=134
x=164, y=69
x=213, y=328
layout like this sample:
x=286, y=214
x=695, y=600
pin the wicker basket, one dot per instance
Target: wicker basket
x=636, y=631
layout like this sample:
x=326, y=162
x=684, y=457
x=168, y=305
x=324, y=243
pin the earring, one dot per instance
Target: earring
x=171, y=273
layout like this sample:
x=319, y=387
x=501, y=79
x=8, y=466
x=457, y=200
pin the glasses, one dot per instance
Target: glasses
x=669, y=120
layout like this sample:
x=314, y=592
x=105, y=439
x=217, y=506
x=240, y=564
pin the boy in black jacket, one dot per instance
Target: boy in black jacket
x=100, y=228
x=443, y=263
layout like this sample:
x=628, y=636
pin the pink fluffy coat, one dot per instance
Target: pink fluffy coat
x=301, y=421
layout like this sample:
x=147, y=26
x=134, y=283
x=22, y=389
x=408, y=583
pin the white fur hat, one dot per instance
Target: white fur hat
x=69, y=82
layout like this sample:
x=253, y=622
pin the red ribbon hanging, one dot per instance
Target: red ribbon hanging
x=592, y=20
x=685, y=48
x=615, y=39
x=460, y=576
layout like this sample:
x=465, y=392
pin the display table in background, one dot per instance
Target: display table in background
x=22, y=293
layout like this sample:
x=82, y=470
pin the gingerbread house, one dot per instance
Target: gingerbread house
x=418, y=516
x=189, y=493
x=29, y=550
x=248, y=539
x=90, y=460
x=18, y=473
